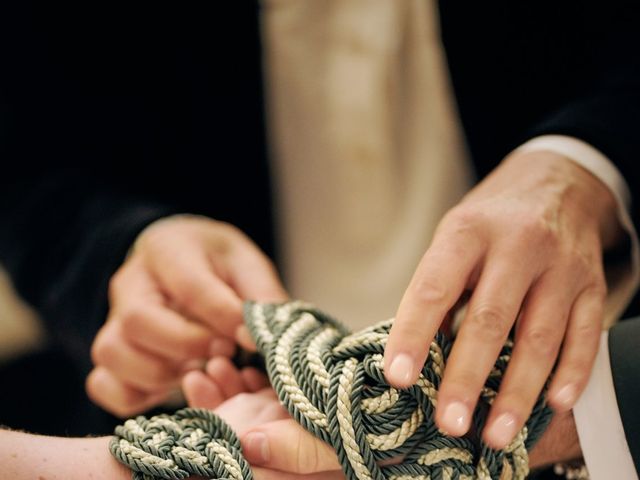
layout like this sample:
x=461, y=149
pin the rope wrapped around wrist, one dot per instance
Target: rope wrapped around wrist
x=332, y=383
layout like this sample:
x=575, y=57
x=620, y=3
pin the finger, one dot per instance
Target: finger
x=253, y=275
x=110, y=393
x=188, y=279
x=163, y=332
x=139, y=369
x=540, y=331
x=133, y=281
x=285, y=445
x=579, y=349
x=222, y=347
x=227, y=376
x=136, y=302
x=492, y=311
x=266, y=474
x=435, y=287
x=200, y=391
x=254, y=379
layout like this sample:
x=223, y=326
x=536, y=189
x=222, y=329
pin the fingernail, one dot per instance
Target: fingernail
x=256, y=448
x=502, y=431
x=401, y=370
x=455, y=418
x=243, y=336
x=566, y=396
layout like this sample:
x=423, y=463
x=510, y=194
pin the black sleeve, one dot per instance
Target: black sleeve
x=112, y=116
x=524, y=69
x=61, y=239
x=605, y=108
x=624, y=353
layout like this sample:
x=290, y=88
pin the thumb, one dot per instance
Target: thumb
x=254, y=276
x=285, y=445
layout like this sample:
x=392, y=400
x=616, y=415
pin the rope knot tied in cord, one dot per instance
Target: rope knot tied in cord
x=332, y=383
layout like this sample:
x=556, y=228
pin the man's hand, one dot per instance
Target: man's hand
x=177, y=298
x=528, y=243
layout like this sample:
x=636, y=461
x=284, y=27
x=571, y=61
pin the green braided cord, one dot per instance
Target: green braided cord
x=332, y=383
x=193, y=441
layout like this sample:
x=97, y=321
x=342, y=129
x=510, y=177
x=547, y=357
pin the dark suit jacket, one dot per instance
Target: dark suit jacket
x=114, y=115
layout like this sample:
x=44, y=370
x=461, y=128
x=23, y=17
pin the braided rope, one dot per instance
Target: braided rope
x=332, y=383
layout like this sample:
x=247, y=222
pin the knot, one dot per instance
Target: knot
x=332, y=383
x=193, y=441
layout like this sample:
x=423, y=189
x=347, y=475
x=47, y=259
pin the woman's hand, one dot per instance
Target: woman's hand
x=285, y=445
x=244, y=399
x=177, y=299
x=528, y=243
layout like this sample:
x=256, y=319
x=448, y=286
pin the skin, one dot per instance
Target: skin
x=527, y=243
x=25, y=456
x=175, y=301
x=281, y=444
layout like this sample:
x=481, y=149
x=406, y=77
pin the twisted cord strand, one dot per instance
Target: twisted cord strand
x=332, y=383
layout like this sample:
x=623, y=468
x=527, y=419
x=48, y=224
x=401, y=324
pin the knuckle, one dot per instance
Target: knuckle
x=598, y=287
x=158, y=375
x=586, y=333
x=429, y=291
x=132, y=318
x=461, y=219
x=186, y=288
x=186, y=350
x=104, y=349
x=490, y=323
x=543, y=341
x=575, y=372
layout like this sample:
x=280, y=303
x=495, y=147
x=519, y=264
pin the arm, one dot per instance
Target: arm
x=25, y=457
x=109, y=123
x=515, y=271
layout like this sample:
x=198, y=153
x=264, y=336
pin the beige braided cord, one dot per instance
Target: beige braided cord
x=332, y=383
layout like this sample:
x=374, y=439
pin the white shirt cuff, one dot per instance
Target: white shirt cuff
x=622, y=284
x=600, y=431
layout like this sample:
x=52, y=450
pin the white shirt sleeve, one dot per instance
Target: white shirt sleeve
x=622, y=283
x=600, y=431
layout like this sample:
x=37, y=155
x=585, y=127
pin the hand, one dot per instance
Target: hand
x=528, y=242
x=221, y=381
x=176, y=299
x=245, y=400
x=275, y=443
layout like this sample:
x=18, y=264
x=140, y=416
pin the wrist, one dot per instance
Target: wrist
x=559, y=443
x=576, y=188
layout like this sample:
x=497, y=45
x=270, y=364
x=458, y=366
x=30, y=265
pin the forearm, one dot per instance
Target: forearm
x=27, y=457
